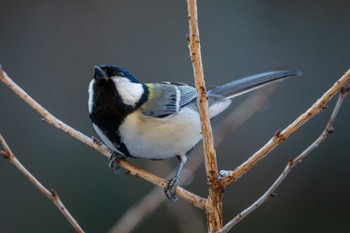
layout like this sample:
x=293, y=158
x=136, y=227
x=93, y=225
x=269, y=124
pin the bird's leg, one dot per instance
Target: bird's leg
x=114, y=162
x=171, y=184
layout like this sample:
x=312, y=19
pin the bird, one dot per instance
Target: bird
x=158, y=121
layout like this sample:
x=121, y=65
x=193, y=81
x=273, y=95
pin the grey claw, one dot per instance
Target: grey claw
x=114, y=163
x=170, y=188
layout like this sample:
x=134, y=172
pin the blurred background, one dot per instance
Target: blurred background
x=49, y=48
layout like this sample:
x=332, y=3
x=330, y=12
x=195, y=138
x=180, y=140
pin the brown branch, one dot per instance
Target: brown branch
x=292, y=163
x=214, y=201
x=50, y=194
x=143, y=174
x=280, y=136
x=132, y=169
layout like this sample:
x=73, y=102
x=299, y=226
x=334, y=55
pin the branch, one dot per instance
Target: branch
x=50, y=194
x=280, y=136
x=214, y=201
x=131, y=169
x=292, y=163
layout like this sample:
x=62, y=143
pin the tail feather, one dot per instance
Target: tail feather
x=244, y=85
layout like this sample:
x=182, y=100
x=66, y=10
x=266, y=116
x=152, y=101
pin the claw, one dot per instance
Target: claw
x=170, y=188
x=114, y=163
x=171, y=184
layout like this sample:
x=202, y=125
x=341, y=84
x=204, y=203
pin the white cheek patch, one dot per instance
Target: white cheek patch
x=130, y=92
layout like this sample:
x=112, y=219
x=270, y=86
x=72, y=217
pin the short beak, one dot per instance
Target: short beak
x=99, y=74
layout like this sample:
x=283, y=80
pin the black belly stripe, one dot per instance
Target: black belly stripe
x=111, y=130
x=109, y=112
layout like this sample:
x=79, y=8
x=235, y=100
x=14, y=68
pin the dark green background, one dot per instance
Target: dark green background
x=50, y=47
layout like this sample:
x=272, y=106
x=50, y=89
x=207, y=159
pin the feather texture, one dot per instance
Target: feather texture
x=167, y=98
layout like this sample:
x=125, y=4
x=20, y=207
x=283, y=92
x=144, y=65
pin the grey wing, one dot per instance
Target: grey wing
x=167, y=98
x=188, y=94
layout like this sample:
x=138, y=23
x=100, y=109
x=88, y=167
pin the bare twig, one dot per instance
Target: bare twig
x=280, y=136
x=50, y=194
x=214, y=201
x=143, y=174
x=292, y=163
x=132, y=169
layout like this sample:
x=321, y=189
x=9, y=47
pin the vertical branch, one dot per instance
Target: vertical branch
x=214, y=201
x=50, y=194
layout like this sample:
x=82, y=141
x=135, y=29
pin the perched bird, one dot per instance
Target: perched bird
x=157, y=120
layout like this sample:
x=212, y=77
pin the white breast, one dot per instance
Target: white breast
x=161, y=138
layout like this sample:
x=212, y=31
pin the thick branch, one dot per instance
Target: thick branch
x=270, y=192
x=50, y=119
x=280, y=136
x=50, y=194
x=214, y=201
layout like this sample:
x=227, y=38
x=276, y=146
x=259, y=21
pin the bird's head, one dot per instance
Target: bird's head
x=116, y=84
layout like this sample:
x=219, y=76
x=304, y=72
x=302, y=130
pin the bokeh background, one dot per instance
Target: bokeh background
x=50, y=47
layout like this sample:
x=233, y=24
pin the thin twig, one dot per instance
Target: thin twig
x=292, y=163
x=50, y=194
x=132, y=169
x=214, y=201
x=280, y=136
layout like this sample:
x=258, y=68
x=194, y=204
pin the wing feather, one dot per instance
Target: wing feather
x=167, y=98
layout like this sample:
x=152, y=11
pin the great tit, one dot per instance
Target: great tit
x=157, y=120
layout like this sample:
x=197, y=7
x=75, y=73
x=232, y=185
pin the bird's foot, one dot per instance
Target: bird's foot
x=170, y=188
x=114, y=162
